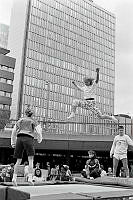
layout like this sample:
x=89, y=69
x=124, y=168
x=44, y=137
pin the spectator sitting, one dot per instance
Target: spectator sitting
x=65, y=174
x=55, y=173
x=7, y=175
x=110, y=173
x=92, y=167
x=1, y=177
x=68, y=172
x=38, y=174
x=3, y=174
x=103, y=172
x=122, y=172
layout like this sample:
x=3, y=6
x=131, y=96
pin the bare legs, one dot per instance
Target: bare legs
x=125, y=165
x=14, y=179
x=30, y=159
x=19, y=160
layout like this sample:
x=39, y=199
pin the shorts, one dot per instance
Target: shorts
x=90, y=105
x=120, y=156
x=24, y=142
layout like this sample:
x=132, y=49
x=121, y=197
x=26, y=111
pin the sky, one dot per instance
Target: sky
x=124, y=48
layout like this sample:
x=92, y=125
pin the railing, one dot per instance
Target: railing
x=80, y=128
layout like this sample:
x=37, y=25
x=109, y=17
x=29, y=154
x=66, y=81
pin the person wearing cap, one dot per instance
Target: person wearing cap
x=89, y=98
x=22, y=138
x=119, y=150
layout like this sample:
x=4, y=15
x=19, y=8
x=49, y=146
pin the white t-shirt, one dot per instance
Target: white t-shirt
x=89, y=91
x=120, y=144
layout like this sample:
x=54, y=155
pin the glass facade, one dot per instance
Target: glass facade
x=67, y=40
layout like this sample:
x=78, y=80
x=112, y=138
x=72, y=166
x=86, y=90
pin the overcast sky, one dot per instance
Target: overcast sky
x=124, y=48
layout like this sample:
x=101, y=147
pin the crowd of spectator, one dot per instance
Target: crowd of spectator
x=6, y=172
x=92, y=170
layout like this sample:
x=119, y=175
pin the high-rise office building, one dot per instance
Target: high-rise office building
x=55, y=42
x=4, y=31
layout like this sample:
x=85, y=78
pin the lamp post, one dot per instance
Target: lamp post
x=47, y=101
x=45, y=118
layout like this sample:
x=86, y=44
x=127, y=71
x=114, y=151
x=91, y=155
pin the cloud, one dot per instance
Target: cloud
x=5, y=11
x=124, y=26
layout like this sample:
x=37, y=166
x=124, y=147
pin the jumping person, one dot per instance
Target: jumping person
x=22, y=138
x=89, y=98
x=119, y=150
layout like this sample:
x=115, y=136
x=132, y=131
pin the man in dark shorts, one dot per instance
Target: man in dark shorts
x=22, y=138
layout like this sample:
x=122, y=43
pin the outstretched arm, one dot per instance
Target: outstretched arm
x=97, y=77
x=77, y=86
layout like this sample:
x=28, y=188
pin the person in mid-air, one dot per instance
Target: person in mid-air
x=89, y=98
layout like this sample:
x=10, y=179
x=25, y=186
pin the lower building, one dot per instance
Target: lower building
x=7, y=65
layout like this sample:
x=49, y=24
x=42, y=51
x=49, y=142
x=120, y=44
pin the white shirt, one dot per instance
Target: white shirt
x=103, y=173
x=89, y=91
x=120, y=144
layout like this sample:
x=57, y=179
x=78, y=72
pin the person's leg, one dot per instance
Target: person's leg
x=14, y=179
x=111, y=118
x=29, y=147
x=17, y=154
x=115, y=165
x=30, y=175
x=125, y=165
x=102, y=116
x=75, y=104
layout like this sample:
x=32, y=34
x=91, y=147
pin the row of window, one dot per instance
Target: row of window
x=72, y=57
x=72, y=23
x=5, y=94
x=59, y=67
x=90, y=31
x=6, y=68
x=75, y=10
x=5, y=80
x=65, y=44
x=4, y=107
x=87, y=34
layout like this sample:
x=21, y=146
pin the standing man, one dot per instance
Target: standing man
x=22, y=138
x=119, y=150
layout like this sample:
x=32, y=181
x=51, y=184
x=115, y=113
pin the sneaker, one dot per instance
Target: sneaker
x=14, y=181
x=114, y=119
x=72, y=115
